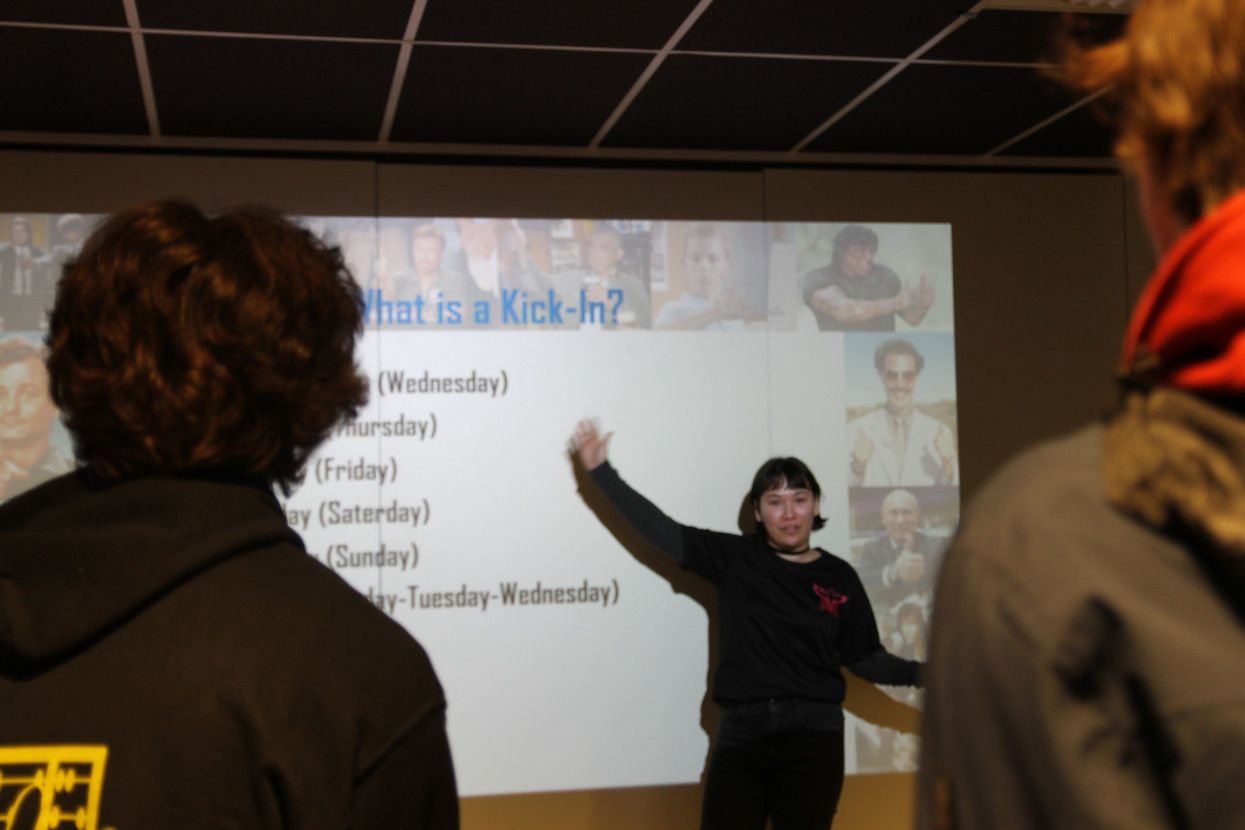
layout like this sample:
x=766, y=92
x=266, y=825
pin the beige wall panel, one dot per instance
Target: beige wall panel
x=869, y=801
x=428, y=190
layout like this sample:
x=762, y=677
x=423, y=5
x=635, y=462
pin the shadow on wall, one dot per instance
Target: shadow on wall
x=680, y=581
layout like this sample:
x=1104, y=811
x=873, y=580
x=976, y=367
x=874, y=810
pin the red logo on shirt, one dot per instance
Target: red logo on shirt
x=828, y=601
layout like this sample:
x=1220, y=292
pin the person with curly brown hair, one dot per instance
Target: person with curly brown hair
x=1089, y=632
x=166, y=642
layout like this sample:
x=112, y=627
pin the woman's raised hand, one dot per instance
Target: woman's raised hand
x=588, y=443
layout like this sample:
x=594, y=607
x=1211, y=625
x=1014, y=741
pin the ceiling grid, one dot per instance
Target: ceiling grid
x=765, y=81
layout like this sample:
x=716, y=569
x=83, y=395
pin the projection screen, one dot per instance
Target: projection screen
x=571, y=660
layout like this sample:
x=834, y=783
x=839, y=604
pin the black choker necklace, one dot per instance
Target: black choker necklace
x=791, y=552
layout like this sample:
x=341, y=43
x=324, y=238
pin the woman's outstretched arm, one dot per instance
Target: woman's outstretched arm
x=654, y=526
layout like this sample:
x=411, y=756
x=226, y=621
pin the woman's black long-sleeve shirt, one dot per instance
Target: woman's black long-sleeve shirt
x=786, y=627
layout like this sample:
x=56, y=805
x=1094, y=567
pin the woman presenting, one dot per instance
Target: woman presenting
x=791, y=616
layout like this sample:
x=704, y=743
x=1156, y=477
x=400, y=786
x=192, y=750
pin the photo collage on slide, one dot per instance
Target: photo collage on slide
x=506, y=274
x=34, y=446
x=887, y=289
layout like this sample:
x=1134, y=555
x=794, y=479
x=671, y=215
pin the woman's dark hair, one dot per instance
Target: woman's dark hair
x=778, y=473
x=184, y=343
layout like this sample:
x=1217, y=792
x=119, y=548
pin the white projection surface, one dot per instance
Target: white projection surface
x=452, y=504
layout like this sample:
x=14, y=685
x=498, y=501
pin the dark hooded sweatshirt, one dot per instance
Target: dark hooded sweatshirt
x=170, y=656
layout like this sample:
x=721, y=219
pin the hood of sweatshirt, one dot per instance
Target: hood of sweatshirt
x=77, y=559
x=1177, y=463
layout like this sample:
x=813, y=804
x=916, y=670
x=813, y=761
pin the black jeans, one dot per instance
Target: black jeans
x=781, y=759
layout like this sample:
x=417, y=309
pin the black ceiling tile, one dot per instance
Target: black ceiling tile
x=67, y=12
x=71, y=81
x=646, y=24
x=1022, y=36
x=511, y=96
x=945, y=109
x=324, y=18
x=1079, y=134
x=223, y=86
x=866, y=28
x=725, y=103
x=264, y=88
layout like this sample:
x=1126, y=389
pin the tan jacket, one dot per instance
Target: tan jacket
x=1088, y=669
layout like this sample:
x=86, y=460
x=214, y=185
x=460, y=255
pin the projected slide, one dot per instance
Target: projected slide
x=705, y=347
